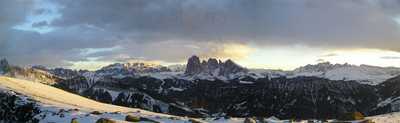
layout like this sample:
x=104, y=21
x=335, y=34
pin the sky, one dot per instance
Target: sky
x=273, y=34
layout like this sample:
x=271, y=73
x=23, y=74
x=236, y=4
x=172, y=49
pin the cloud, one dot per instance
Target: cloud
x=329, y=55
x=320, y=60
x=229, y=50
x=12, y=12
x=39, y=24
x=391, y=57
x=172, y=30
x=318, y=23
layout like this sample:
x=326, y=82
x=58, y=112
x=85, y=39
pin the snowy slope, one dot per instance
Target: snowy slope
x=364, y=74
x=52, y=100
x=60, y=106
x=386, y=118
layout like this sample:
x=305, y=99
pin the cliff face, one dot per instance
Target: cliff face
x=212, y=67
x=193, y=66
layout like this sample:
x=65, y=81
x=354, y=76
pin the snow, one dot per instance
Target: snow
x=91, y=77
x=162, y=75
x=261, y=73
x=52, y=100
x=176, y=89
x=386, y=118
x=246, y=82
x=364, y=74
x=177, y=67
x=222, y=120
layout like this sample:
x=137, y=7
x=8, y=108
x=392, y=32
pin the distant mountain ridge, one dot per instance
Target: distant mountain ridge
x=364, y=74
x=215, y=88
x=216, y=69
x=213, y=67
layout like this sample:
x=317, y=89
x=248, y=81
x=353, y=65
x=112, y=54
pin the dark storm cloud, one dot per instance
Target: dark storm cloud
x=171, y=30
x=356, y=23
x=54, y=48
x=12, y=12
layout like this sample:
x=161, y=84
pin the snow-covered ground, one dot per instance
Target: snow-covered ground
x=364, y=74
x=55, y=101
x=386, y=118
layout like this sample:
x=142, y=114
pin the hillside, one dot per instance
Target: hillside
x=364, y=74
x=54, y=100
x=202, y=91
x=61, y=106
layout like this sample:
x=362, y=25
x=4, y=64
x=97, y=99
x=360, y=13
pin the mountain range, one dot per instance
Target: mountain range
x=206, y=88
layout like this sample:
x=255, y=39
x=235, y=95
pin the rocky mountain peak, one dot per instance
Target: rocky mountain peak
x=320, y=67
x=132, y=68
x=361, y=73
x=212, y=63
x=212, y=67
x=193, y=66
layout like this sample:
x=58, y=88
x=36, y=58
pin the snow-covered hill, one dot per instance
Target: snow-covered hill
x=53, y=101
x=364, y=74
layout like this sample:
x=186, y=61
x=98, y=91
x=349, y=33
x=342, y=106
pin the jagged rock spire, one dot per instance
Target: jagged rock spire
x=212, y=66
x=229, y=67
x=193, y=66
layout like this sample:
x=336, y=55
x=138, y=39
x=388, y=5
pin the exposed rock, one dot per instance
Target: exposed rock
x=96, y=113
x=194, y=121
x=364, y=74
x=74, y=120
x=390, y=96
x=64, y=73
x=193, y=66
x=249, y=120
x=212, y=67
x=127, y=69
x=148, y=120
x=230, y=67
x=132, y=118
x=352, y=116
x=300, y=97
x=13, y=109
x=105, y=120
